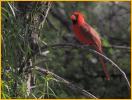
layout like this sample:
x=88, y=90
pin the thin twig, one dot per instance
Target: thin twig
x=115, y=65
x=29, y=84
x=67, y=83
x=46, y=14
x=83, y=47
x=94, y=51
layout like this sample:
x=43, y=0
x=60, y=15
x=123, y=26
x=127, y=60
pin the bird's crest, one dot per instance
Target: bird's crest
x=78, y=13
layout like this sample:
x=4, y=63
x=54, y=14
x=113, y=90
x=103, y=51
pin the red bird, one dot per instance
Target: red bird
x=87, y=35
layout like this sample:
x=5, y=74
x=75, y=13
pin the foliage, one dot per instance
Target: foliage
x=21, y=19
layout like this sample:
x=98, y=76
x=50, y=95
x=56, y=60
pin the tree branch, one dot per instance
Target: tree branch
x=115, y=65
x=46, y=14
x=95, y=52
x=82, y=47
x=67, y=83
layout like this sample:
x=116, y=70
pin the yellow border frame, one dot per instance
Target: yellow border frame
x=70, y=0
x=0, y=51
x=66, y=1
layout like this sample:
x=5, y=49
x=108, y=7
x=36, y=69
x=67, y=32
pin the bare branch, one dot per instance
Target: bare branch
x=29, y=84
x=67, y=83
x=115, y=65
x=95, y=52
x=46, y=14
x=82, y=47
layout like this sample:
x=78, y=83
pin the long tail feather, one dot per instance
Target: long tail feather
x=103, y=64
x=104, y=68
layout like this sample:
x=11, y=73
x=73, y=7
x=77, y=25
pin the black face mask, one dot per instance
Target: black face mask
x=75, y=21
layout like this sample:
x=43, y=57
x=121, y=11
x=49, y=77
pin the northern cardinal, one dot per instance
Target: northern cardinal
x=87, y=35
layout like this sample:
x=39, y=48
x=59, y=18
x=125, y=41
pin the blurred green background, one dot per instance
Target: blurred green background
x=28, y=26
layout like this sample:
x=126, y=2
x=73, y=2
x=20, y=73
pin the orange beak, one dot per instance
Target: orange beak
x=73, y=17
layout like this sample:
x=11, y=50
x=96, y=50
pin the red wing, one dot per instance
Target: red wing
x=85, y=31
x=90, y=34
